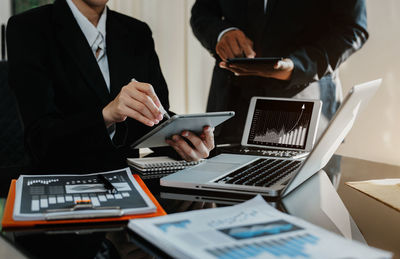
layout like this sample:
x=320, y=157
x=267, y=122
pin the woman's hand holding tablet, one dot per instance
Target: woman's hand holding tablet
x=191, y=135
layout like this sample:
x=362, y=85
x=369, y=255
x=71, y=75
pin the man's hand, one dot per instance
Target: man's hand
x=137, y=101
x=282, y=70
x=233, y=44
x=200, y=145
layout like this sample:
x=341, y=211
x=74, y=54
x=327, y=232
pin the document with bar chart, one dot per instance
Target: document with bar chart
x=281, y=124
x=252, y=229
x=39, y=197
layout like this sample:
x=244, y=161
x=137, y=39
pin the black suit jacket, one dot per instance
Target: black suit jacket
x=61, y=91
x=317, y=35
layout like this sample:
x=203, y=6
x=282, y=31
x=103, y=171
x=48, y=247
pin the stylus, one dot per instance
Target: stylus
x=161, y=109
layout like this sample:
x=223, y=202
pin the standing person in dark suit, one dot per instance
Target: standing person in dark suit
x=71, y=66
x=313, y=36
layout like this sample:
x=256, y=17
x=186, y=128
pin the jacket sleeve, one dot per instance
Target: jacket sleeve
x=47, y=131
x=345, y=34
x=207, y=23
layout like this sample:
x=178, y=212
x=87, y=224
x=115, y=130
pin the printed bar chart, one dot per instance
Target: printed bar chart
x=293, y=247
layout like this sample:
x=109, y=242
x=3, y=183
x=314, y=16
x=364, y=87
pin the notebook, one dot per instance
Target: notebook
x=156, y=167
x=279, y=127
x=274, y=177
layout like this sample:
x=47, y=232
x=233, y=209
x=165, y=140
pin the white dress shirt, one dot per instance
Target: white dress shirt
x=235, y=28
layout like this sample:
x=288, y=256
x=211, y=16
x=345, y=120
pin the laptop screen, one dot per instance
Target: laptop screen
x=281, y=123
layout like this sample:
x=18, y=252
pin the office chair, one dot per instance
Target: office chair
x=11, y=133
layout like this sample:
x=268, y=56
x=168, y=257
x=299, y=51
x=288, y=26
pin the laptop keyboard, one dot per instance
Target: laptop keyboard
x=265, y=152
x=262, y=172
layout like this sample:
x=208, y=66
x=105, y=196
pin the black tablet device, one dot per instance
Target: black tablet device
x=179, y=123
x=247, y=61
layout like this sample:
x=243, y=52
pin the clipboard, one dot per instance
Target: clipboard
x=8, y=223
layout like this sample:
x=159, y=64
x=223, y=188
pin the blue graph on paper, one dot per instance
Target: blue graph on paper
x=262, y=229
x=176, y=224
x=267, y=230
x=293, y=247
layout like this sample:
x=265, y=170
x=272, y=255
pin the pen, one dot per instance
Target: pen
x=161, y=109
x=107, y=184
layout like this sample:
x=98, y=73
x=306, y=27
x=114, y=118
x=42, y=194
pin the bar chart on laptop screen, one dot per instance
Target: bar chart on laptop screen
x=281, y=123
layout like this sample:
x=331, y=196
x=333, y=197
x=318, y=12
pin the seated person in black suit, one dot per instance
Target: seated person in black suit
x=71, y=66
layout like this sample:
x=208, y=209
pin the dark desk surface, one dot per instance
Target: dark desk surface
x=316, y=201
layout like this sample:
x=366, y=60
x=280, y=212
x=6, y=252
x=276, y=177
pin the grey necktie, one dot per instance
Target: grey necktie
x=98, y=46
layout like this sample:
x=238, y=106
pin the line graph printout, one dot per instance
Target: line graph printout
x=281, y=123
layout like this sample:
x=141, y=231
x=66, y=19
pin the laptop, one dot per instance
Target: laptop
x=278, y=127
x=274, y=177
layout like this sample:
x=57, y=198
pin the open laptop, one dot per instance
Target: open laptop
x=274, y=177
x=278, y=127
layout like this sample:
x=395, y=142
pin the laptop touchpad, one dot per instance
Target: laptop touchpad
x=215, y=167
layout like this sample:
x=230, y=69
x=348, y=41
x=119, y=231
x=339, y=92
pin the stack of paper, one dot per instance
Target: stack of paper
x=252, y=229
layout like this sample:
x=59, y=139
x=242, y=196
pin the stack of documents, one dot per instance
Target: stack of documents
x=252, y=229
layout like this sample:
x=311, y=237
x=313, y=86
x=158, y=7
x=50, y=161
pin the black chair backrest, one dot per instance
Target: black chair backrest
x=3, y=42
x=11, y=129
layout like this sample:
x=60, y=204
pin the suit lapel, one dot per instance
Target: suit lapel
x=73, y=40
x=271, y=4
x=118, y=58
x=121, y=49
x=124, y=63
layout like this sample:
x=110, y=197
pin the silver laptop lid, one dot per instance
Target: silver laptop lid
x=340, y=125
x=281, y=123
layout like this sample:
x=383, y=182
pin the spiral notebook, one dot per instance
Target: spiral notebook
x=155, y=167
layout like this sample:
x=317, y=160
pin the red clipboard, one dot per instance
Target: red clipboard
x=9, y=223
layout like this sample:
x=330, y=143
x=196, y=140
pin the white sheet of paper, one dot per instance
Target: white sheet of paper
x=251, y=229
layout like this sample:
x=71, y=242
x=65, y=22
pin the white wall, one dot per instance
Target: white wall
x=5, y=12
x=376, y=134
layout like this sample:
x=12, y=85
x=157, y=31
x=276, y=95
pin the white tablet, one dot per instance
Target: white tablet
x=179, y=123
x=282, y=123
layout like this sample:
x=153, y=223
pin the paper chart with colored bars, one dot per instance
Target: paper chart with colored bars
x=291, y=246
x=252, y=229
x=38, y=195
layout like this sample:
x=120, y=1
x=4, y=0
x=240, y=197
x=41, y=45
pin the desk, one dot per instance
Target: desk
x=315, y=201
x=379, y=224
